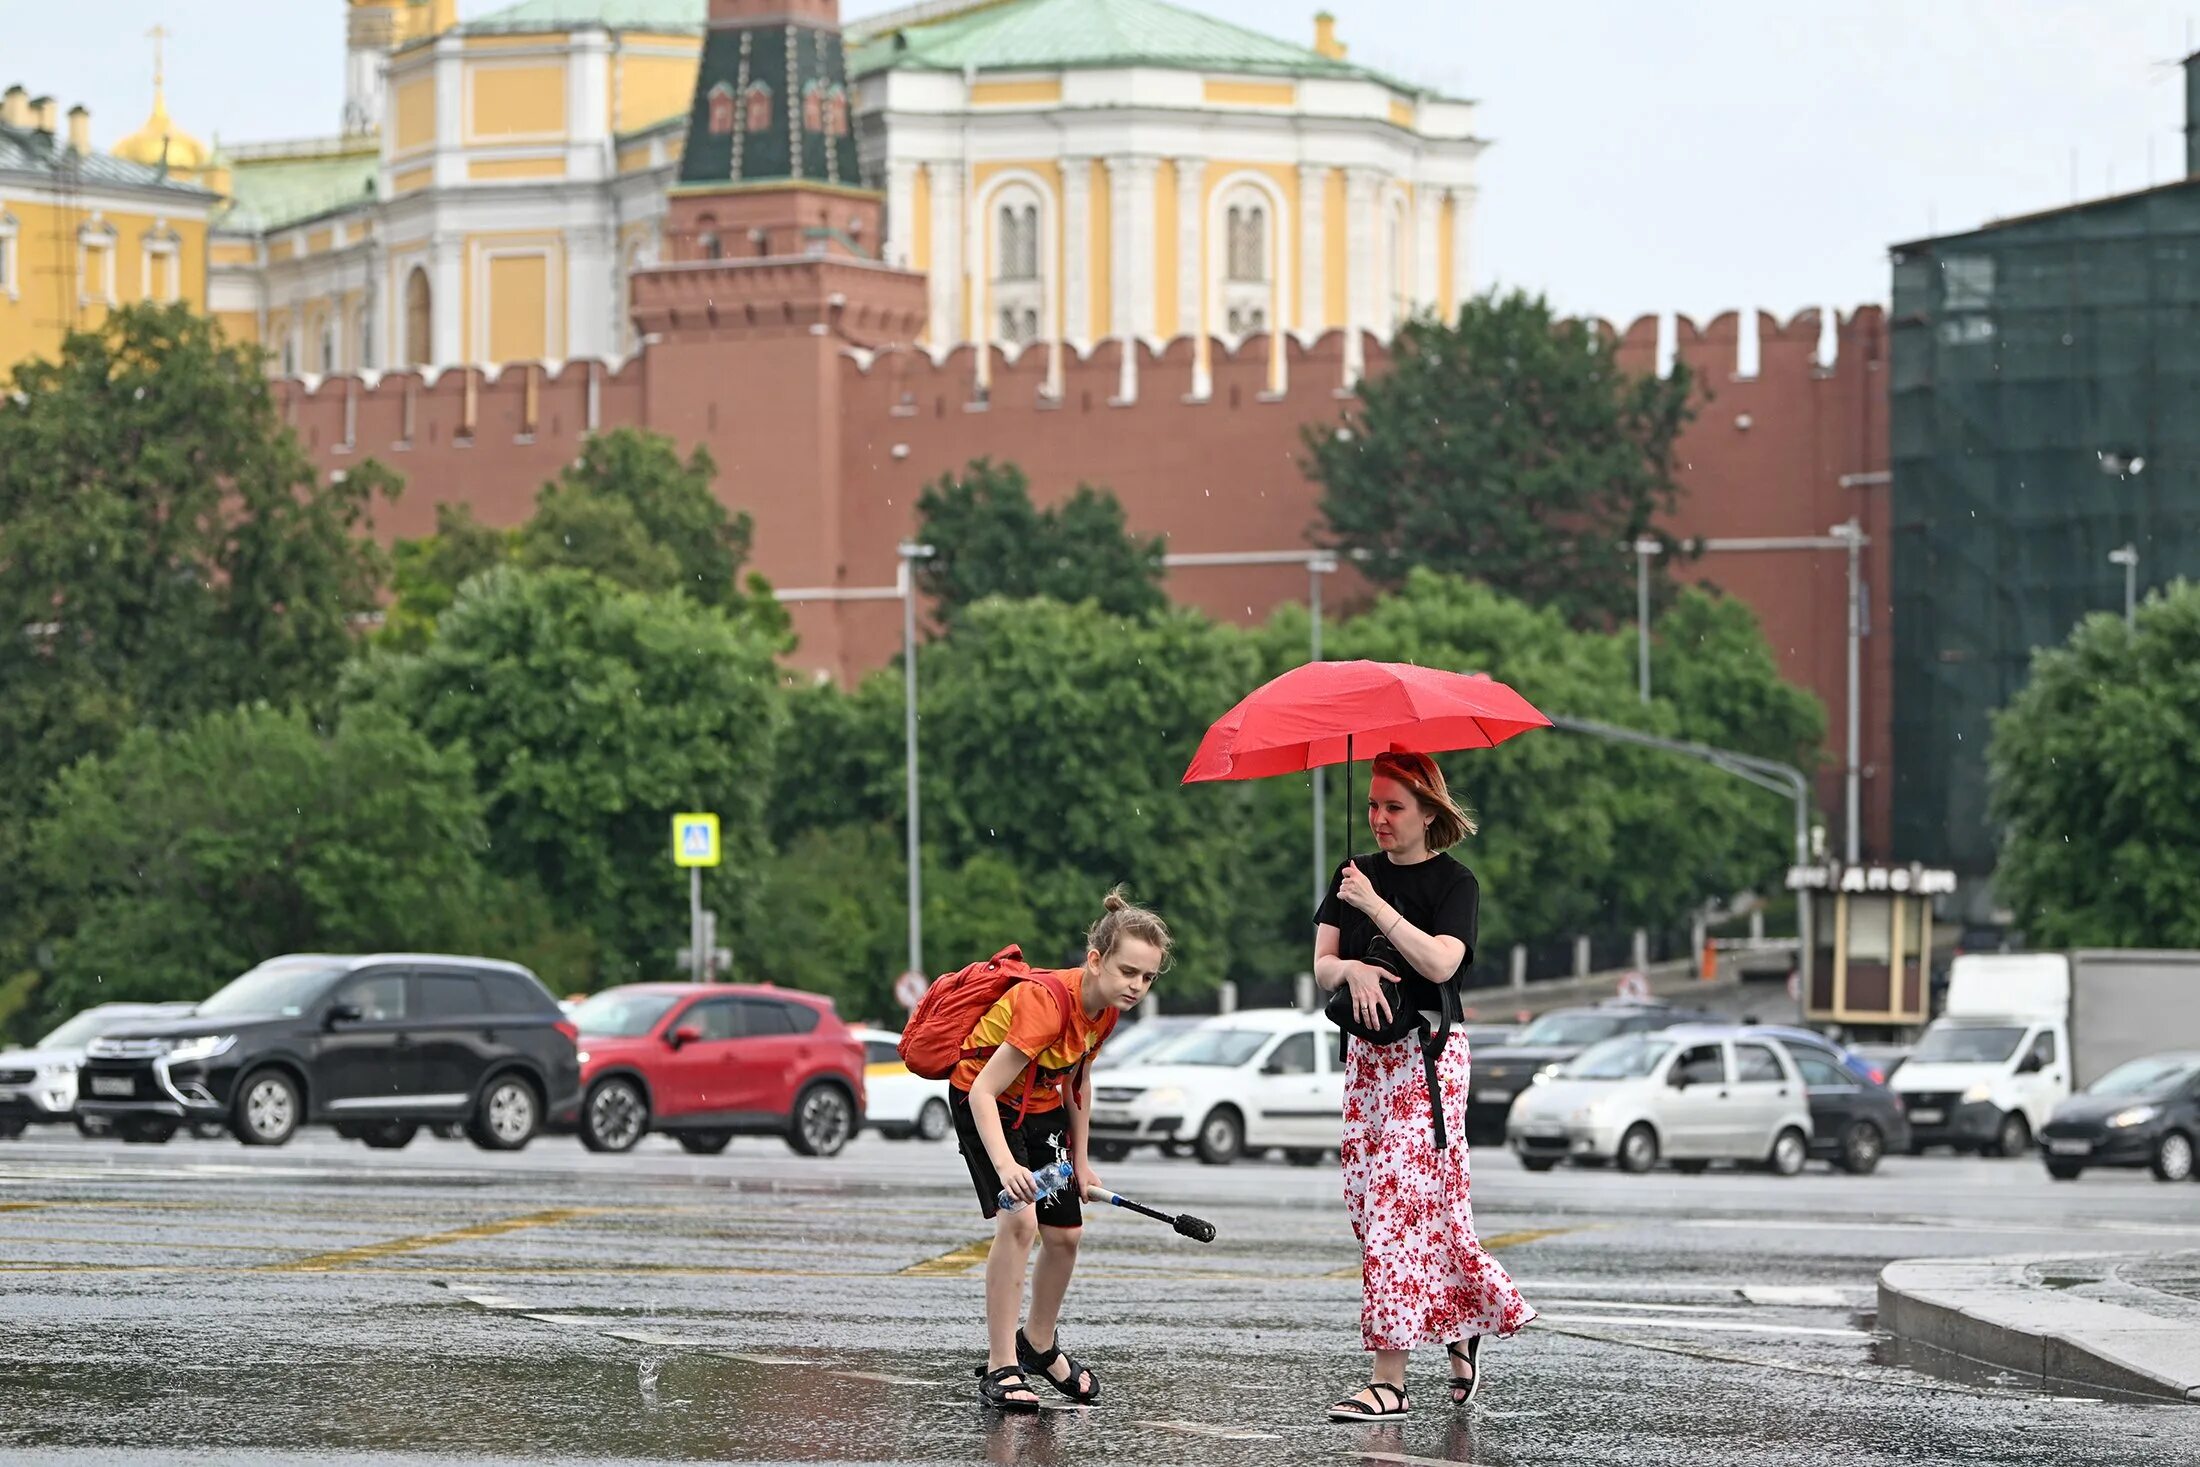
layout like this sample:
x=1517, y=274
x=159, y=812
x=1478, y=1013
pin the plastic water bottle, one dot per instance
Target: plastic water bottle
x=1051, y=1179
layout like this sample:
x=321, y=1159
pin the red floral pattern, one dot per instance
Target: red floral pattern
x=1424, y=1276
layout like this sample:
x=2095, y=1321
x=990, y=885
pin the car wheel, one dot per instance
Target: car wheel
x=507, y=1116
x=704, y=1143
x=86, y=1126
x=824, y=1119
x=1862, y=1148
x=148, y=1132
x=2015, y=1136
x=1221, y=1137
x=389, y=1135
x=2173, y=1157
x=209, y=1130
x=1109, y=1150
x=2064, y=1171
x=1303, y=1155
x=266, y=1110
x=1691, y=1168
x=1638, y=1149
x=447, y=1130
x=1790, y=1149
x=1539, y=1163
x=10, y=1129
x=615, y=1116
x=932, y=1121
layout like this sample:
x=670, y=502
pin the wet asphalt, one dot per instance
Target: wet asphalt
x=322, y=1303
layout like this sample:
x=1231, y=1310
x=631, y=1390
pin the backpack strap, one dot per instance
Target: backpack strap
x=1052, y=982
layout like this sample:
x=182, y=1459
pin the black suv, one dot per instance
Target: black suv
x=1501, y=1072
x=375, y=1046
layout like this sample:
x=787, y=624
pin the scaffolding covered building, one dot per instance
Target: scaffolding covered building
x=2045, y=415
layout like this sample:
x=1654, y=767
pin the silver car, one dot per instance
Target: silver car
x=1689, y=1095
x=38, y=1085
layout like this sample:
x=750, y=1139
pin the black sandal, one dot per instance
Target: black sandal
x=994, y=1387
x=1032, y=1358
x=1462, y=1391
x=1352, y=1408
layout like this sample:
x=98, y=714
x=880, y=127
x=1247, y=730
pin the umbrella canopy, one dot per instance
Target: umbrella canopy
x=1334, y=712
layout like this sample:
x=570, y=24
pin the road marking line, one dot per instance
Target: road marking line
x=1847, y=1377
x=765, y=1359
x=951, y=1265
x=1802, y=1295
x=1221, y=1433
x=590, y=1321
x=1502, y=1240
x=668, y=1342
x=1723, y=1326
x=323, y=1262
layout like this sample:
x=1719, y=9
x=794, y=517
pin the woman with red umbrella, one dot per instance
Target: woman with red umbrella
x=1408, y=912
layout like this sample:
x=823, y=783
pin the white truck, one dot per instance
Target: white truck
x=2021, y=1031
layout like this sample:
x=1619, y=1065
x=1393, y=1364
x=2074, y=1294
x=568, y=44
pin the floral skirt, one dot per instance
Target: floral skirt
x=1424, y=1276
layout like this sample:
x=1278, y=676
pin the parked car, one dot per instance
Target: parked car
x=1231, y=1085
x=1482, y=1037
x=1854, y=1118
x=375, y=1046
x=1503, y=1071
x=38, y=1085
x=2145, y=1112
x=1690, y=1095
x=705, y=1062
x=1132, y=1042
x=1883, y=1058
x=899, y=1105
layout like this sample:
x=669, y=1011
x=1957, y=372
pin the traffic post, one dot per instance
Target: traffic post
x=695, y=845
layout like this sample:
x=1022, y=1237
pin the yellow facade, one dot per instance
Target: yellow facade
x=509, y=102
x=647, y=89
x=1167, y=318
x=413, y=108
x=62, y=268
x=1249, y=94
x=1098, y=247
x=1036, y=93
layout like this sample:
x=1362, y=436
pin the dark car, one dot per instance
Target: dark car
x=2145, y=1112
x=705, y=1062
x=1502, y=1071
x=375, y=1046
x=1854, y=1118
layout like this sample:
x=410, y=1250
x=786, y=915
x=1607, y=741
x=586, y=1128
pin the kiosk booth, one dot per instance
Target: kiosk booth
x=1868, y=963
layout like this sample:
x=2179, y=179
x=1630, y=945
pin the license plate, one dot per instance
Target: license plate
x=1493, y=1097
x=1928, y=1117
x=2071, y=1148
x=1112, y=1118
x=113, y=1085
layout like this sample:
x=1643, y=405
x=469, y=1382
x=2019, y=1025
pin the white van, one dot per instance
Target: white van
x=1991, y=1069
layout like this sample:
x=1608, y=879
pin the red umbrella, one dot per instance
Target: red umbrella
x=1331, y=712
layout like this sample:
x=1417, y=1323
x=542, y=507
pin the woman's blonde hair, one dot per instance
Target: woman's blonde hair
x=1448, y=824
x=1121, y=919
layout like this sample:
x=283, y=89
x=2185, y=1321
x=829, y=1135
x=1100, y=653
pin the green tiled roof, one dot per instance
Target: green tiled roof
x=27, y=150
x=1053, y=35
x=284, y=191
x=618, y=15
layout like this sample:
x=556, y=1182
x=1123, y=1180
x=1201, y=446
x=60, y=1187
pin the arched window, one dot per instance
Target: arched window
x=1248, y=263
x=1019, y=283
x=419, y=318
x=1249, y=243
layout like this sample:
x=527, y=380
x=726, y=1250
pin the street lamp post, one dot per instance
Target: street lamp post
x=1318, y=563
x=2127, y=556
x=1647, y=547
x=1851, y=533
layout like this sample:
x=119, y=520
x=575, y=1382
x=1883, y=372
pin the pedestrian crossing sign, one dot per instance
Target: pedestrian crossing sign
x=695, y=840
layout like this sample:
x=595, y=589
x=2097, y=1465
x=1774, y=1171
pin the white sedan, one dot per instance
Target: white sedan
x=1691, y=1095
x=1234, y=1084
x=899, y=1105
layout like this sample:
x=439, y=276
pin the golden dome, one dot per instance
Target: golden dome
x=160, y=142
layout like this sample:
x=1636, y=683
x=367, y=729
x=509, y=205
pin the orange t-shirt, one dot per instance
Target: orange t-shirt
x=1027, y=1019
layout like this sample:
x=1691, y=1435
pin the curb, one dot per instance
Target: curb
x=1989, y=1311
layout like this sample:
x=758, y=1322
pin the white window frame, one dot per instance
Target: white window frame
x=1271, y=297
x=163, y=244
x=1033, y=299
x=11, y=270
x=96, y=237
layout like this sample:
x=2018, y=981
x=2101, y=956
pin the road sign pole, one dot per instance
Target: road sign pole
x=696, y=955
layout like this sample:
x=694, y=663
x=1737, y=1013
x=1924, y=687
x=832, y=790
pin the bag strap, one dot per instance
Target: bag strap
x=1432, y=1046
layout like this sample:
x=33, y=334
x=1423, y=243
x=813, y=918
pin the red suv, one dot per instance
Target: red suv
x=704, y=1063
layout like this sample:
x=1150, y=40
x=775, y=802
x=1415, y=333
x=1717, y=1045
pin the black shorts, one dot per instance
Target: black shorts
x=1042, y=1139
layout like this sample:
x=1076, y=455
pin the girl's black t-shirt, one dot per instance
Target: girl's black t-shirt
x=1439, y=896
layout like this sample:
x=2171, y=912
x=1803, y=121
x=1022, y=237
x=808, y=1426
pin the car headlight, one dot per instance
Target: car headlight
x=1548, y=1073
x=1166, y=1095
x=205, y=1047
x=2137, y=1115
x=582, y=1056
x=58, y=1069
x=1981, y=1091
x=1588, y=1115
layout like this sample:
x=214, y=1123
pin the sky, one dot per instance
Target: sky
x=1689, y=155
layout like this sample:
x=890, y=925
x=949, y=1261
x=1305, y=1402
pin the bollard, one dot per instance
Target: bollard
x=1520, y=965
x=1581, y=957
x=1227, y=997
x=1638, y=952
x=1303, y=992
x=1757, y=925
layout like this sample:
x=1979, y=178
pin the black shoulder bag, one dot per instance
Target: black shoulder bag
x=1404, y=1022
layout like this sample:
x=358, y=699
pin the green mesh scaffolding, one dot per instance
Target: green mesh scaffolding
x=2046, y=411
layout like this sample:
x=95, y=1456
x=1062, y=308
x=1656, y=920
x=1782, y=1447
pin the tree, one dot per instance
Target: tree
x=989, y=539
x=429, y=571
x=631, y=510
x=187, y=856
x=1509, y=447
x=592, y=714
x=166, y=548
x=2092, y=779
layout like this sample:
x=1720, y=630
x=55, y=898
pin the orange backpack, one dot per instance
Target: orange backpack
x=932, y=1043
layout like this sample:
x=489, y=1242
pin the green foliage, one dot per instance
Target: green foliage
x=989, y=539
x=634, y=512
x=2095, y=778
x=592, y=714
x=185, y=857
x=429, y=571
x=1507, y=446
